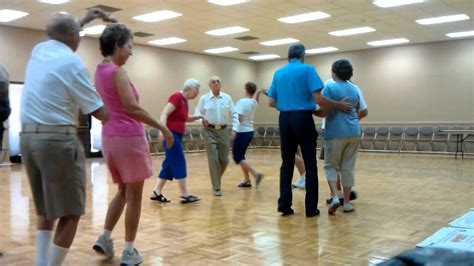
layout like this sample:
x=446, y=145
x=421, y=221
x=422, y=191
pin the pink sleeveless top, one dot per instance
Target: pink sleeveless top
x=119, y=123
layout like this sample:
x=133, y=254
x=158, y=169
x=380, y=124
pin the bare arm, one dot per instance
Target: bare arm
x=321, y=112
x=101, y=114
x=362, y=113
x=271, y=102
x=132, y=108
x=169, y=108
x=94, y=13
x=257, y=95
x=193, y=118
x=330, y=104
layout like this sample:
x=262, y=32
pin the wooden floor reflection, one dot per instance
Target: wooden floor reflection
x=403, y=199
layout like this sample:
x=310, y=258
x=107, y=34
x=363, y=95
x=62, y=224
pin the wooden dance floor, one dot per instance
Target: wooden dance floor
x=402, y=200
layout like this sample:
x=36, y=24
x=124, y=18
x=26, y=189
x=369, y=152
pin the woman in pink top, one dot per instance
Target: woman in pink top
x=124, y=144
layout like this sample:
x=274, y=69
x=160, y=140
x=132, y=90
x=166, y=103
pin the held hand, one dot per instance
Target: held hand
x=169, y=138
x=233, y=136
x=94, y=13
x=344, y=106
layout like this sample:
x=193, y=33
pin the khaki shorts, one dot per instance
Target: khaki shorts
x=55, y=166
x=340, y=156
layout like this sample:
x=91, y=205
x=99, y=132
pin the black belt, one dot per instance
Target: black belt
x=218, y=127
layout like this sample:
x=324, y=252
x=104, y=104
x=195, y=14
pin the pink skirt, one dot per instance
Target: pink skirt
x=128, y=158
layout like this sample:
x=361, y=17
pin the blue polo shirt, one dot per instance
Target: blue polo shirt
x=293, y=85
x=338, y=123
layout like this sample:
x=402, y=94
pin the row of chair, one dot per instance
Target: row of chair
x=412, y=139
x=422, y=139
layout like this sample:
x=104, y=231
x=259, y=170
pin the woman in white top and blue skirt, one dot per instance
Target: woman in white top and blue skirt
x=242, y=133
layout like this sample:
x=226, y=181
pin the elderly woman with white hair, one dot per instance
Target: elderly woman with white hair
x=175, y=115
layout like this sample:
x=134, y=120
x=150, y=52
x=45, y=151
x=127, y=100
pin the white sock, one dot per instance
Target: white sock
x=128, y=246
x=303, y=176
x=57, y=256
x=157, y=191
x=339, y=194
x=43, y=242
x=335, y=198
x=107, y=233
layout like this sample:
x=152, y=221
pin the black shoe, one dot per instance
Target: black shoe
x=354, y=195
x=286, y=212
x=312, y=213
x=189, y=199
x=245, y=184
x=159, y=198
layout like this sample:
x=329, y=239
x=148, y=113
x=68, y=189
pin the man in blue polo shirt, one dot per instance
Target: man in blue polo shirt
x=295, y=90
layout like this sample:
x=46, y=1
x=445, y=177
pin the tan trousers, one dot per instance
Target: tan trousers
x=217, y=148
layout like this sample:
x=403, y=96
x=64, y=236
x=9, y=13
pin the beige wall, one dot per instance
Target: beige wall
x=421, y=82
x=155, y=72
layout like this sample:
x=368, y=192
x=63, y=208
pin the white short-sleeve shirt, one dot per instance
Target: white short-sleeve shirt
x=57, y=84
x=245, y=107
x=216, y=110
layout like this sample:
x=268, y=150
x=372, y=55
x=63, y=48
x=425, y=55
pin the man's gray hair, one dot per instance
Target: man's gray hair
x=191, y=83
x=62, y=25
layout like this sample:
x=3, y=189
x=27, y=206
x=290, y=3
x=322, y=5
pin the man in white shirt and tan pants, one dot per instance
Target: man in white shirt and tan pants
x=217, y=110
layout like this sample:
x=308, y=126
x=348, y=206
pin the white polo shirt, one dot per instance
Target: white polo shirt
x=216, y=110
x=57, y=84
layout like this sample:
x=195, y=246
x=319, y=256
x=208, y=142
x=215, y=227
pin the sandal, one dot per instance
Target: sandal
x=245, y=184
x=189, y=199
x=159, y=198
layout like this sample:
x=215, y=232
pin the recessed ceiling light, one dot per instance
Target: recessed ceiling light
x=226, y=2
x=94, y=30
x=157, y=16
x=392, y=3
x=279, y=42
x=7, y=15
x=227, y=31
x=352, y=31
x=388, y=42
x=264, y=57
x=304, y=17
x=460, y=34
x=167, y=41
x=54, y=2
x=221, y=50
x=443, y=19
x=82, y=33
x=321, y=50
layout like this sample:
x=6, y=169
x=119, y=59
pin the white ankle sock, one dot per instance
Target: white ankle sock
x=339, y=194
x=43, y=243
x=107, y=233
x=57, y=256
x=128, y=246
x=157, y=191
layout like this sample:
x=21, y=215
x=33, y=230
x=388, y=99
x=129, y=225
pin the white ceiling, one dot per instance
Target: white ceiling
x=260, y=16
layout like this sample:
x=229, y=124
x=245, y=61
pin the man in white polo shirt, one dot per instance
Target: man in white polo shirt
x=217, y=109
x=57, y=84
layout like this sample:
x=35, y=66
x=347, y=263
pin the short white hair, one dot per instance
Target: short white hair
x=191, y=83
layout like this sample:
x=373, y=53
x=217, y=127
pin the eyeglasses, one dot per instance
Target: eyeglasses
x=216, y=81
